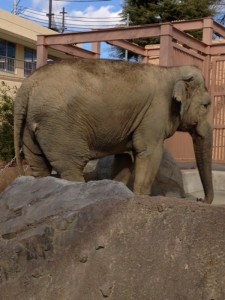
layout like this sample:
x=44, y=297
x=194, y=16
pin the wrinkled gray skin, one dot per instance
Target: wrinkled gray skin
x=70, y=112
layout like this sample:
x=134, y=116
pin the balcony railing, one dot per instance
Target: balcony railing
x=29, y=67
x=7, y=64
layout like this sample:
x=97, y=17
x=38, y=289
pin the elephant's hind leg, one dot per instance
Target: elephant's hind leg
x=73, y=174
x=68, y=165
x=122, y=168
x=38, y=163
x=62, y=150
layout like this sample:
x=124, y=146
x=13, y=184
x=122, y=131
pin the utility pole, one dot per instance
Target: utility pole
x=50, y=14
x=127, y=24
x=63, y=12
x=14, y=7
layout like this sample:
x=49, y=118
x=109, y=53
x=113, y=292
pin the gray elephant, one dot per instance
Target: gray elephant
x=70, y=112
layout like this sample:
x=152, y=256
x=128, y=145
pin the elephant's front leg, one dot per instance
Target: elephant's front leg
x=146, y=167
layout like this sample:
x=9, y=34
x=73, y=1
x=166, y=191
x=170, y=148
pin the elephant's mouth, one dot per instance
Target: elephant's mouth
x=185, y=127
x=188, y=127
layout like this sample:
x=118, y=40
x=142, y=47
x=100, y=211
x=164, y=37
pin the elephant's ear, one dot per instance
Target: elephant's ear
x=180, y=94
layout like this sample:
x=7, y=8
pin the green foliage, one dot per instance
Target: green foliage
x=7, y=95
x=155, y=11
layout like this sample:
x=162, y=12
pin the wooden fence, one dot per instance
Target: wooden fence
x=177, y=47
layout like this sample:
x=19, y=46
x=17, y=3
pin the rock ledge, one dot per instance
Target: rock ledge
x=83, y=241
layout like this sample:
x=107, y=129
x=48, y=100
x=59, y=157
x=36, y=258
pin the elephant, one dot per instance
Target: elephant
x=73, y=111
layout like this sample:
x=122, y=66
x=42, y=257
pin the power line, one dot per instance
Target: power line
x=70, y=27
x=83, y=20
x=36, y=12
x=68, y=24
x=94, y=21
x=36, y=20
x=94, y=18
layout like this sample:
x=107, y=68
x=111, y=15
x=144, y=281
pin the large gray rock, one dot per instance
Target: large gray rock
x=89, y=241
x=168, y=181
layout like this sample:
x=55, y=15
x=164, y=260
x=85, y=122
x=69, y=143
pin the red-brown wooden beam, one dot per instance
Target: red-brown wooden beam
x=188, y=25
x=125, y=33
x=190, y=41
x=129, y=46
x=217, y=49
x=219, y=29
x=152, y=52
x=200, y=24
x=74, y=51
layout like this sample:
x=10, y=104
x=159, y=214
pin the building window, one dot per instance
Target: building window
x=30, y=58
x=7, y=56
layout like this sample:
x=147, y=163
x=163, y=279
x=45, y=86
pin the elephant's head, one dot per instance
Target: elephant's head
x=193, y=105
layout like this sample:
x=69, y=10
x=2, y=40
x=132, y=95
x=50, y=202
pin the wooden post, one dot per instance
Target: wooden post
x=95, y=47
x=166, y=47
x=144, y=60
x=207, y=31
x=42, y=52
x=207, y=36
x=153, y=53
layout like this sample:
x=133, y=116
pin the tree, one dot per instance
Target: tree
x=157, y=11
x=7, y=95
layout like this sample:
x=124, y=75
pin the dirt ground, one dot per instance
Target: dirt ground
x=8, y=175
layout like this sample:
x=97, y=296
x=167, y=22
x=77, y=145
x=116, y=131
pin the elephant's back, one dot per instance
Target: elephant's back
x=89, y=81
x=87, y=72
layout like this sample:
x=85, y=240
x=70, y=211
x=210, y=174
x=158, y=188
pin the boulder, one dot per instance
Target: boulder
x=82, y=241
x=169, y=180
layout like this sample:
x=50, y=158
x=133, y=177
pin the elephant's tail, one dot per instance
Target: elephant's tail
x=20, y=113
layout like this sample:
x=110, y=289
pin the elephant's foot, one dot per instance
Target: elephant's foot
x=40, y=173
x=205, y=200
x=142, y=190
x=73, y=176
x=40, y=169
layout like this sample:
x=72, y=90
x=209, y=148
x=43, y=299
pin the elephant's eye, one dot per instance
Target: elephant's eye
x=205, y=106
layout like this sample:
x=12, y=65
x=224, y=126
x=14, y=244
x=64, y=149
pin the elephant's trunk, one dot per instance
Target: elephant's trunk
x=202, y=141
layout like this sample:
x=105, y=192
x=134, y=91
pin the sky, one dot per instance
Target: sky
x=81, y=15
